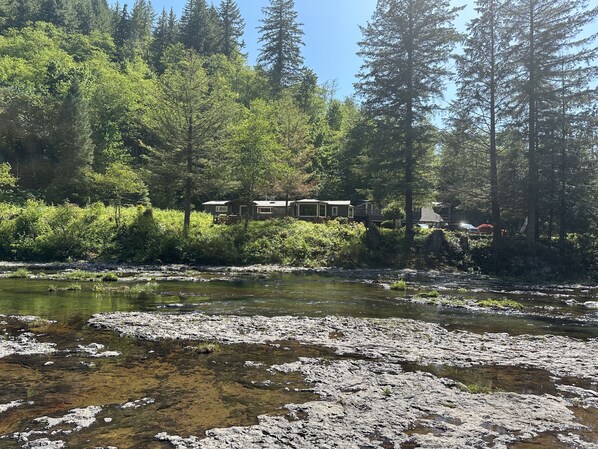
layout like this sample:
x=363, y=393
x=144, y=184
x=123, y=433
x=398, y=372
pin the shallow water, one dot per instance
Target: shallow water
x=193, y=392
x=546, y=310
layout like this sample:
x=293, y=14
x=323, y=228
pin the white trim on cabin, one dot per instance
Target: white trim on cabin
x=322, y=215
x=264, y=210
x=334, y=211
x=351, y=212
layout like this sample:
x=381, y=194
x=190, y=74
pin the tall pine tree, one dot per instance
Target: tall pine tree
x=546, y=34
x=199, y=27
x=405, y=48
x=281, y=38
x=165, y=35
x=231, y=25
x=73, y=147
x=483, y=71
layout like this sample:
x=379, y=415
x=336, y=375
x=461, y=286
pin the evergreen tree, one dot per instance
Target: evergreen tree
x=483, y=71
x=232, y=25
x=546, y=34
x=101, y=16
x=122, y=31
x=140, y=34
x=190, y=119
x=281, y=39
x=405, y=48
x=73, y=146
x=165, y=35
x=61, y=13
x=199, y=27
x=84, y=16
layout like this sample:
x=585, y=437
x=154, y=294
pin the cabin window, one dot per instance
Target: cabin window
x=221, y=209
x=308, y=210
x=351, y=212
x=322, y=210
x=242, y=210
x=334, y=211
x=264, y=210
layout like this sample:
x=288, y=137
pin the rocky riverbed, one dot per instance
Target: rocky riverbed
x=371, y=400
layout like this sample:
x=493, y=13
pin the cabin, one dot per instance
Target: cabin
x=218, y=207
x=308, y=209
x=264, y=210
x=318, y=210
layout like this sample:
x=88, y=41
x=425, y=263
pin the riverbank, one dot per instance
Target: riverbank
x=42, y=233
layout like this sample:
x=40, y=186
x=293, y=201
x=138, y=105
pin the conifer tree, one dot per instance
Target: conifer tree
x=190, y=119
x=231, y=25
x=101, y=16
x=546, y=34
x=199, y=27
x=483, y=71
x=73, y=146
x=122, y=31
x=142, y=18
x=281, y=38
x=405, y=49
x=165, y=35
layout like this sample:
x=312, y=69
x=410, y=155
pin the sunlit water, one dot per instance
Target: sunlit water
x=193, y=392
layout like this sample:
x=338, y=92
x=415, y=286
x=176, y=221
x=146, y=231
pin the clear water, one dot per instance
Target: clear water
x=194, y=392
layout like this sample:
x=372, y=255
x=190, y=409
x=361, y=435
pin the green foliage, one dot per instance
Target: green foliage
x=430, y=294
x=21, y=273
x=299, y=243
x=109, y=277
x=281, y=39
x=500, y=304
x=399, y=285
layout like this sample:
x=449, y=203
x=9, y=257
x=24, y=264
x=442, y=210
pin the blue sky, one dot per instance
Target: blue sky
x=331, y=30
x=331, y=33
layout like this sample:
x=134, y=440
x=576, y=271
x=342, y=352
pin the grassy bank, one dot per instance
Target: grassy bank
x=38, y=232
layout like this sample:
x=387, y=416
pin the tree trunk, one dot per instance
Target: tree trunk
x=532, y=188
x=188, y=180
x=563, y=174
x=494, y=198
x=409, y=234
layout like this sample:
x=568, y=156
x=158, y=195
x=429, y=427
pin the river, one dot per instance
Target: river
x=107, y=386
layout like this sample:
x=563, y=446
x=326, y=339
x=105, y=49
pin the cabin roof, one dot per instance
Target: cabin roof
x=215, y=203
x=429, y=216
x=338, y=203
x=271, y=203
x=308, y=201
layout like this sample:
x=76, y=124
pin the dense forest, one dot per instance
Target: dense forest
x=122, y=105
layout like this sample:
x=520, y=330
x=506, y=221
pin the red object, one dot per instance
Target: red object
x=486, y=228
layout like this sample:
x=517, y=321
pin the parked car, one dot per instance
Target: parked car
x=469, y=228
x=486, y=228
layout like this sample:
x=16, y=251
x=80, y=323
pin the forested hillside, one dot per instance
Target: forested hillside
x=125, y=105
